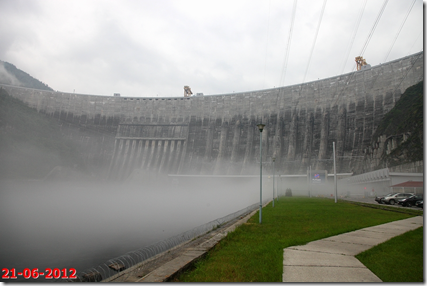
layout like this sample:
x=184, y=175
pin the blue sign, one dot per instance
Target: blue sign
x=318, y=176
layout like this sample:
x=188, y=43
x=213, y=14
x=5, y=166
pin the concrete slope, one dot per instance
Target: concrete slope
x=217, y=134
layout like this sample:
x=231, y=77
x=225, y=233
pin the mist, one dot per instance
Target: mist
x=59, y=210
x=81, y=225
x=6, y=77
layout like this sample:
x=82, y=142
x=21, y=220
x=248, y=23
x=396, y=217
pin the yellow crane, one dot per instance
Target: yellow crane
x=187, y=91
x=360, y=61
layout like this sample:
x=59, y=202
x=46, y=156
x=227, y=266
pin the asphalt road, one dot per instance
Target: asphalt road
x=371, y=200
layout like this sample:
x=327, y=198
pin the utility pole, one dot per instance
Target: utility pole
x=335, y=173
x=309, y=184
x=274, y=165
x=260, y=127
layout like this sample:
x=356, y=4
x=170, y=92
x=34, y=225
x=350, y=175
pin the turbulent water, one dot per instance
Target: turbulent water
x=68, y=225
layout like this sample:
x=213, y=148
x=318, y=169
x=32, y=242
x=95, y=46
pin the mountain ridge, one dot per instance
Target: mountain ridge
x=11, y=75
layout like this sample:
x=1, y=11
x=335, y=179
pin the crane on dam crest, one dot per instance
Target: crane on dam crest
x=361, y=62
x=187, y=91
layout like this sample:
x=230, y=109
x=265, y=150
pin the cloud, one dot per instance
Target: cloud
x=149, y=48
x=7, y=78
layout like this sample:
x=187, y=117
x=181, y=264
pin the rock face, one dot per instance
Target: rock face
x=217, y=134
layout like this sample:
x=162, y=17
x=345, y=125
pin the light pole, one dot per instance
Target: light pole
x=260, y=127
x=274, y=159
x=310, y=182
x=335, y=173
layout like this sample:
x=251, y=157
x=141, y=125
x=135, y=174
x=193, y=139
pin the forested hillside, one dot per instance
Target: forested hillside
x=11, y=75
x=405, y=124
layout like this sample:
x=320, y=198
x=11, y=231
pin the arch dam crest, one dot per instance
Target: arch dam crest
x=217, y=134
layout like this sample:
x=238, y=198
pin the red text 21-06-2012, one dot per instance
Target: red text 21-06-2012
x=35, y=273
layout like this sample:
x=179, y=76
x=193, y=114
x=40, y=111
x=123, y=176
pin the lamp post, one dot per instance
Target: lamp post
x=260, y=127
x=335, y=173
x=309, y=189
x=274, y=173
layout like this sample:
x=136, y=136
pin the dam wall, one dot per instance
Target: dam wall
x=217, y=134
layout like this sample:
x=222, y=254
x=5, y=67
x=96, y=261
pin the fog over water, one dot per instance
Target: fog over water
x=81, y=225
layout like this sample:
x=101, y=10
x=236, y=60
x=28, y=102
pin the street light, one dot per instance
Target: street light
x=260, y=127
x=274, y=173
x=335, y=174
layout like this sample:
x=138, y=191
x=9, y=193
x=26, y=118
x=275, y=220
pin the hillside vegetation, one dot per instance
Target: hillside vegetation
x=11, y=75
x=405, y=118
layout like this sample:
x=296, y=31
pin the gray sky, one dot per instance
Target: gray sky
x=153, y=48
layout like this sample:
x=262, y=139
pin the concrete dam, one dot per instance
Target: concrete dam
x=217, y=134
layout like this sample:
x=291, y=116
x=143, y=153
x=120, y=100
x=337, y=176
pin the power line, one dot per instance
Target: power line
x=407, y=72
x=315, y=38
x=373, y=28
x=367, y=41
x=356, y=28
x=400, y=29
x=266, y=45
x=416, y=40
x=364, y=48
x=285, y=63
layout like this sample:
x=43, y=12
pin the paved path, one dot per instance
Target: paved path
x=326, y=260
x=332, y=259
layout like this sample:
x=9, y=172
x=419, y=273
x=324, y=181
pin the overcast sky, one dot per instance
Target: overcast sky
x=153, y=48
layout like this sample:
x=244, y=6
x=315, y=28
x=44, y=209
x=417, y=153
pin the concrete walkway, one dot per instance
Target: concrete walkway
x=327, y=260
x=332, y=259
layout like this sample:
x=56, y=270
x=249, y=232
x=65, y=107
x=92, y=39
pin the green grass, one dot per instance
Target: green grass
x=399, y=259
x=254, y=252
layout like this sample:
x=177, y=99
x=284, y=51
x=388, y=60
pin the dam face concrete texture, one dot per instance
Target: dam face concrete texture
x=217, y=134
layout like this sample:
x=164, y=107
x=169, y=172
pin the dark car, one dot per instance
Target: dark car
x=411, y=201
x=420, y=204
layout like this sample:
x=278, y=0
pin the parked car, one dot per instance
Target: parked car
x=379, y=199
x=420, y=204
x=410, y=201
x=394, y=198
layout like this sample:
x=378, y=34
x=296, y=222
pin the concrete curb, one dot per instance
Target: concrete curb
x=169, y=270
x=177, y=263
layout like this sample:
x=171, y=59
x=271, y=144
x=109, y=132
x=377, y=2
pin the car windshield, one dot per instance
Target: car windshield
x=415, y=197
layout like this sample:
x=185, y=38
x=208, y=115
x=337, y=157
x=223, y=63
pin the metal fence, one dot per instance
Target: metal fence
x=125, y=264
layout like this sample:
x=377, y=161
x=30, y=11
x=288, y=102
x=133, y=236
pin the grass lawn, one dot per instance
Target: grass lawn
x=254, y=252
x=399, y=259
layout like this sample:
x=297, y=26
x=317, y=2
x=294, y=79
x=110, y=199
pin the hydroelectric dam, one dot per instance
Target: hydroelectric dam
x=217, y=134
